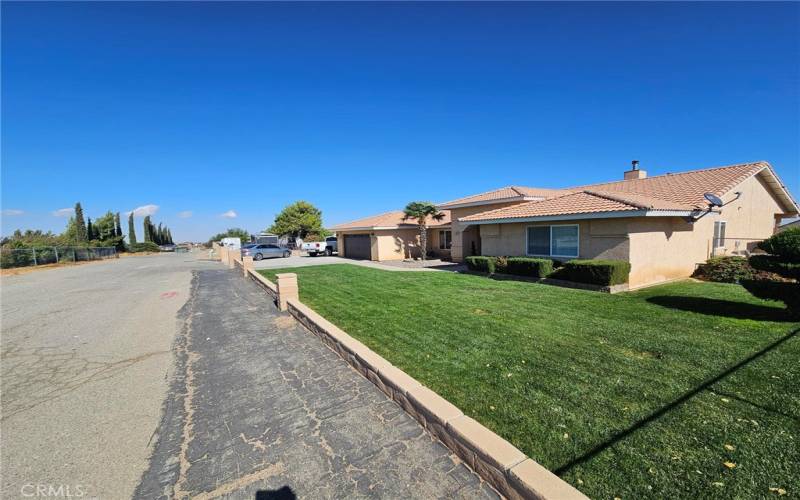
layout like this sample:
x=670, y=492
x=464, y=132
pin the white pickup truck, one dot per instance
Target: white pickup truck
x=327, y=247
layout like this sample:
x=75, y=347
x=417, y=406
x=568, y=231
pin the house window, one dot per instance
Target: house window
x=445, y=240
x=553, y=241
x=719, y=233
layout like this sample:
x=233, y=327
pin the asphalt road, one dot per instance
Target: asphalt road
x=171, y=377
x=86, y=358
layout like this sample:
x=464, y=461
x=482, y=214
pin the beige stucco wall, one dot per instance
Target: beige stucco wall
x=669, y=248
x=433, y=243
x=658, y=248
x=343, y=248
x=393, y=244
x=464, y=236
x=598, y=239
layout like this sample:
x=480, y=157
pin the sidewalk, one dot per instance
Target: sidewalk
x=259, y=404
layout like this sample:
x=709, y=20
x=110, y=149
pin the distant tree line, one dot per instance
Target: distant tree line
x=103, y=231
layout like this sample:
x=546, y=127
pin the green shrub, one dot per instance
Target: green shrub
x=785, y=244
x=528, y=266
x=595, y=272
x=775, y=264
x=783, y=291
x=725, y=270
x=481, y=263
x=147, y=246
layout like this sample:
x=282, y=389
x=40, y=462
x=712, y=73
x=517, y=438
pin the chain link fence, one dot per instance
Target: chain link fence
x=25, y=257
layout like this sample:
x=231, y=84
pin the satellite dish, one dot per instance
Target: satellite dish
x=713, y=199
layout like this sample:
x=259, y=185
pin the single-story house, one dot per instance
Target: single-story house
x=663, y=225
x=390, y=237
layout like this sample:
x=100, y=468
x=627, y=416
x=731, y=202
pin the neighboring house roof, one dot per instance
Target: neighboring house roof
x=509, y=193
x=670, y=194
x=389, y=220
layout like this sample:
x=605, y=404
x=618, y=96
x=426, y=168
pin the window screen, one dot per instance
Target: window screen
x=539, y=240
x=719, y=234
x=445, y=240
x=565, y=241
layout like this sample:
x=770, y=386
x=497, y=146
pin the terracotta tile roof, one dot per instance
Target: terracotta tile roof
x=679, y=192
x=685, y=188
x=390, y=220
x=572, y=203
x=509, y=192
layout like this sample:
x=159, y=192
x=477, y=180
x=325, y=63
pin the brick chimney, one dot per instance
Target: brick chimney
x=634, y=172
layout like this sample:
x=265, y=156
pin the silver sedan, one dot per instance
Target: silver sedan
x=265, y=251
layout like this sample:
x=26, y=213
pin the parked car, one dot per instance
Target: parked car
x=167, y=248
x=265, y=251
x=328, y=247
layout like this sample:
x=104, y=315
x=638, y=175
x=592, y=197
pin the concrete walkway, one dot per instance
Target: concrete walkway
x=303, y=261
x=259, y=405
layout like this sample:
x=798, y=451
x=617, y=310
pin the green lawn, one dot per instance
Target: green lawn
x=628, y=395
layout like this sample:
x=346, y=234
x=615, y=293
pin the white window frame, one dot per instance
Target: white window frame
x=717, y=242
x=443, y=239
x=551, y=241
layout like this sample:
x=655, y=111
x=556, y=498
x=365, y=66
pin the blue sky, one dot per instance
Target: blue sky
x=361, y=108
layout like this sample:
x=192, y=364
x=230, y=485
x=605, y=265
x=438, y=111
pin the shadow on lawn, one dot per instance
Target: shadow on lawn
x=705, y=385
x=727, y=308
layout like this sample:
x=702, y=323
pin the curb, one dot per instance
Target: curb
x=495, y=460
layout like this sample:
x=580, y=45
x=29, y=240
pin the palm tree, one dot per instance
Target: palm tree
x=420, y=211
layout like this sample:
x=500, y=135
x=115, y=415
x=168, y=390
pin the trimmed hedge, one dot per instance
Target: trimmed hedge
x=595, y=272
x=481, y=263
x=528, y=266
x=725, y=270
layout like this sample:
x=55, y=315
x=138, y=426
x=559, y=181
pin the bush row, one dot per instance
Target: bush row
x=594, y=272
x=145, y=246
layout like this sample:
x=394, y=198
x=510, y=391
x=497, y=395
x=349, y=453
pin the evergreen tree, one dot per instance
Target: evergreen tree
x=160, y=235
x=80, y=224
x=117, y=225
x=148, y=230
x=89, y=230
x=131, y=230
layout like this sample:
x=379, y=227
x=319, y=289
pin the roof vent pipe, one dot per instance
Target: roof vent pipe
x=634, y=172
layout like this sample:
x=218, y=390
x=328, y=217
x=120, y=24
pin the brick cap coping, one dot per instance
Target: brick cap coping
x=497, y=461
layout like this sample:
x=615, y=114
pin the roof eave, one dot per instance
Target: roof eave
x=780, y=189
x=594, y=215
x=450, y=206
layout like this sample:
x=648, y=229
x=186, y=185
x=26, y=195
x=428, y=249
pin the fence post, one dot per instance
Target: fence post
x=55, y=249
x=231, y=258
x=34, y=257
x=247, y=264
x=287, y=289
